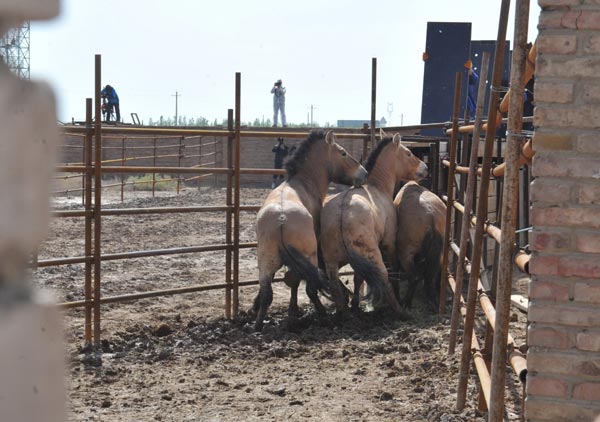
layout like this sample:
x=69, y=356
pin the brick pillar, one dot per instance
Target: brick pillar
x=564, y=312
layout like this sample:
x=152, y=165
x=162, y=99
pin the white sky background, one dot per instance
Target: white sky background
x=321, y=50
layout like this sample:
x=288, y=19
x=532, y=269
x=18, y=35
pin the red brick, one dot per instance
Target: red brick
x=567, y=68
x=550, y=191
x=558, y=19
x=589, y=144
x=587, y=291
x=546, y=387
x=585, y=266
x=587, y=391
x=565, y=315
x=566, y=217
x=552, y=4
x=591, y=44
x=544, y=141
x=549, y=241
x=537, y=409
x=548, y=337
x=543, y=265
x=588, y=340
x=589, y=194
x=548, y=290
x=540, y=360
x=589, y=19
x=582, y=116
x=591, y=94
x=588, y=242
x=556, y=44
x=549, y=165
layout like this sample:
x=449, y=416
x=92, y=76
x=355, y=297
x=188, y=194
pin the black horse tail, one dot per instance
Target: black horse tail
x=429, y=263
x=374, y=277
x=298, y=263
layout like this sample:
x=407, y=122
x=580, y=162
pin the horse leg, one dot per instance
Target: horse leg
x=264, y=298
x=358, y=281
x=410, y=291
x=312, y=291
x=292, y=280
x=336, y=287
x=389, y=291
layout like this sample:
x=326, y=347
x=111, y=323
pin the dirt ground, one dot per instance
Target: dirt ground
x=178, y=359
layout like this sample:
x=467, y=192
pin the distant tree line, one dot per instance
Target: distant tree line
x=202, y=121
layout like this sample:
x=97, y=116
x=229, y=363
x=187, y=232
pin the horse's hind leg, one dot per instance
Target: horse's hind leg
x=292, y=280
x=336, y=287
x=264, y=298
x=358, y=281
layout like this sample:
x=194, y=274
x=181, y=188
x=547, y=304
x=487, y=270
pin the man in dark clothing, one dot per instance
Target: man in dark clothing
x=471, y=88
x=281, y=151
x=112, y=100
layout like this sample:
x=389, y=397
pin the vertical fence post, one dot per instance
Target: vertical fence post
x=509, y=212
x=179, y=155
x=228, y=223
x=482, y=207
x=236, y=201
x=449, y=208
x=83, y=161
x=122, y=164
x=153, y=165
x=88, y=221
x=97, y=199
x=434, y=148
x=373, y=98
x=199, y=161
x=469, y=199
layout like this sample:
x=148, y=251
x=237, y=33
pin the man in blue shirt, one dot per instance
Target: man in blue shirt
x=471, y=89
x=112, y=100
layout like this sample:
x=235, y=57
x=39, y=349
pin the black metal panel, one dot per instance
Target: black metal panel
x=447, y=49
x=477, y=49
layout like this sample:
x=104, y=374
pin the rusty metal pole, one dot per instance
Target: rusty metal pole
x=373, y=98
x=449, y=208
x=509, y=212
x=179, y=154
x=97, y=199
x=435, y=166
x=122, y=164
x=236, y=200
x=228, y=217
x=482, y=206
x=200, y=160
x=470, y=188
x=153, y=165
x=83, y=175
x=88, y=221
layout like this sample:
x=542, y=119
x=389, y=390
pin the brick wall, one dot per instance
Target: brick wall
x=564, y=313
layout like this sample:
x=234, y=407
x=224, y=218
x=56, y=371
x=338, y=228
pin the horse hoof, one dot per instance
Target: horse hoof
x=258, y=326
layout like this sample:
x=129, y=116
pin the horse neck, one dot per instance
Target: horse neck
x=383, y=175
x=313, y=178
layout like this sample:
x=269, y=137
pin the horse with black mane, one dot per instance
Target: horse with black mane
x=287, y=224
x=357, y=222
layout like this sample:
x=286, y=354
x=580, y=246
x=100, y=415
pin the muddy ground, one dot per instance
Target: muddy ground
x=178, y=359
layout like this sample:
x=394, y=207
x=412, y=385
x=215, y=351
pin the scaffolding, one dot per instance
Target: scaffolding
x=14, y=50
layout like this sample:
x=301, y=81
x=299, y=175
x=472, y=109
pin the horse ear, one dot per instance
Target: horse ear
x=330, y=137
x=397, y=139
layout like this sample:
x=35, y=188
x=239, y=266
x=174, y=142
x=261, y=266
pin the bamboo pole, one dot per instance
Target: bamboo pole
x=482, y=207
x=466, y=223
x=236, y=199
x=88, y=222
x=97, y=200
x=509, y=213
x=450, y=190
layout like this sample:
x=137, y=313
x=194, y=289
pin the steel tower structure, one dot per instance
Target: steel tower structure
x=14, y=50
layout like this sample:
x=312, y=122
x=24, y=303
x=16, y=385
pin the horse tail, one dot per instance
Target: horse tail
x=371, y=273
x=429, y=262
x=314, y=276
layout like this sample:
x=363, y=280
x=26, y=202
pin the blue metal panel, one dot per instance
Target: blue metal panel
x=447, y=49
x=477, y=49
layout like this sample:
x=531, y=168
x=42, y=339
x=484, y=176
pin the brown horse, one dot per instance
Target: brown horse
x=356, y=222
x=420, y=239
x=288, y=222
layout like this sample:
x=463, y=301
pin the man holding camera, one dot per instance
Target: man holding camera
x=278, y=92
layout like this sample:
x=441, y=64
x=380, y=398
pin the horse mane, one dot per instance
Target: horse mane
x=295, y=162
x=375, y=154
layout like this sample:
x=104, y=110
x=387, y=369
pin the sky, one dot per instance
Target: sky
x=322, y=50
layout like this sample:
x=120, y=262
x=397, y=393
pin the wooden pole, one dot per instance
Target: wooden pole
x=236, y=200
x=122, y=164
x=228, y=223
x=88, y=221
x=482, y=206
x=153, y=165
x=450, y=190
x=509, y=212
x=97, y=199
x=179, y=154
x=470, y=189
